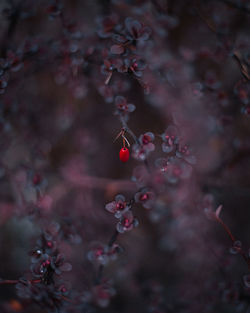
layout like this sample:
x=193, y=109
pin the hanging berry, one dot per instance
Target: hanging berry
x=124, y=154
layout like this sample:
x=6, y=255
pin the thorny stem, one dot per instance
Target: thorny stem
x=228, y=231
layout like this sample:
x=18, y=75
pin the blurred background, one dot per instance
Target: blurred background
x=59, y=164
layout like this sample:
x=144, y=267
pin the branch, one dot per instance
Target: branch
x=216, y=216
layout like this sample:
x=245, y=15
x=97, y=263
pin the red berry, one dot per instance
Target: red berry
x=124, y=154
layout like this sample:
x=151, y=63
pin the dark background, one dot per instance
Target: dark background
x=56, y=122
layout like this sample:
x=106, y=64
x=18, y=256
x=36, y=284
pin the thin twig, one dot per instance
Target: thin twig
x=231, y=236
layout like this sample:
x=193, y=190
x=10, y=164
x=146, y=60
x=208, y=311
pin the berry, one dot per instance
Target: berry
x=124, y=154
